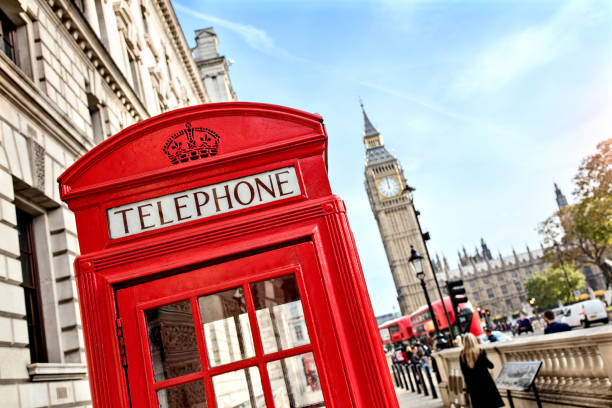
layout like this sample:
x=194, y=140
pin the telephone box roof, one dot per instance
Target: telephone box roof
x=145, y=148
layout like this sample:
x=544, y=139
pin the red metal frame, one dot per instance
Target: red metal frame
x=142, y=362
x=130, y=166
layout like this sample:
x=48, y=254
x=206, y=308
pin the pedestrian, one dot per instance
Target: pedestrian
x=490, y=336
x=478, y=381
x=415, y=357
x=552, y=326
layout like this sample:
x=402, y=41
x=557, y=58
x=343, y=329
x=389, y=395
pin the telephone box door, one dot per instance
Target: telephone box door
x=255, y=331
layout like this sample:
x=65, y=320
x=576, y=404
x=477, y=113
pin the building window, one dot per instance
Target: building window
x=168, y=68
x=134, y=71
x=508, y=305
x=473, y=284
x=500, y=277
x=486, y=281
x=476, y=297
x=518, y=286
x=31, y=288
x=8, y=31
x=514, y=274
x=95, y=115
x=145, y=23
x=490, y=293
x=299, y=334
x=504, y=289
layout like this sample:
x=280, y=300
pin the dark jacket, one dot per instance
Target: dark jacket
x=479, y=383
x=556, y=327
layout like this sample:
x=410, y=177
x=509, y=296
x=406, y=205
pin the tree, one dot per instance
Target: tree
x=581, y=234
x=554, y=283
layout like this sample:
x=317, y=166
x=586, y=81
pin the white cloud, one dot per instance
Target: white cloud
x=523, y=51
x=255, y=37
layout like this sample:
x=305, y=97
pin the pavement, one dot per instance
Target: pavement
x=409, y=399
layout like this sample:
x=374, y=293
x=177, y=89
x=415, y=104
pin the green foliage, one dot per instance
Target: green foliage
x=581, y=234
x=555, y=283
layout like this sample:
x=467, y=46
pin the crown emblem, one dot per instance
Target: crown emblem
x=191, y=143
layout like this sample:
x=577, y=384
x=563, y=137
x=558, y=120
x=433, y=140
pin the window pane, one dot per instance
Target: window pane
x=295, y=382
x=240, y=388
x=226, y=327
x=190, y=395
x=172, y=341
x=279, y=314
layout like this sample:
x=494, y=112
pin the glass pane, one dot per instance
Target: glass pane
x=190, y=395
x=279, y=314
x=172, y=341
x=295, y=382
x=226, y=327
x=239, y=389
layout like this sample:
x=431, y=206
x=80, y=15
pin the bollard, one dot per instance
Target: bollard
x=403, y=376
x=416, y=378
x=420, y=370
x=399, y=375
x=434, y=394
x=409, y=377
x=395, y=378
x=434, y=365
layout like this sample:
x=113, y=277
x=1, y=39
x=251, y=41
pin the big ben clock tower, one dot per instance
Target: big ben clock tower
x=391, y=202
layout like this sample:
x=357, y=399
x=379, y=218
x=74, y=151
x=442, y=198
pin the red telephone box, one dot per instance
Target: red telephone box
x=217, y=268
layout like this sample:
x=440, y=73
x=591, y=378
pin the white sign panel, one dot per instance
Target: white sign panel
x=385, y=335
x=202, y=202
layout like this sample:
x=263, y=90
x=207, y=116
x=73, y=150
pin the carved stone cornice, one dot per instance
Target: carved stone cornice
x=79, y=29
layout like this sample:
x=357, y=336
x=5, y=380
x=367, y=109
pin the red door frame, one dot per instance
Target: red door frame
x=129, y=167
x=132, y=302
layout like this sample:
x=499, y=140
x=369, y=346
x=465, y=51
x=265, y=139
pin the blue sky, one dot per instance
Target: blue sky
x=485, y=103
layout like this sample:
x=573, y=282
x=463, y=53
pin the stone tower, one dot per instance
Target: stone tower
x=391, y=202
x=214, y=68
x=560, y=197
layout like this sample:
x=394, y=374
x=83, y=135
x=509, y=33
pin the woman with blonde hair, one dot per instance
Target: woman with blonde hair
x=478, y=381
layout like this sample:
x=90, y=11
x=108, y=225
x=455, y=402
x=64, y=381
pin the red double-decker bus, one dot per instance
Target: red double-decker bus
x=395, y=331
x=423, y=325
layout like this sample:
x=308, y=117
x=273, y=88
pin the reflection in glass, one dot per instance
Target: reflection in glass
x=172, y=341
x=190, y=395
x=239, y=389
x=295, y=382
x=226, y=327
x=279, y=314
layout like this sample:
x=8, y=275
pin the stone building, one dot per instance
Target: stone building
x=214, y=69
x=494, y=283
x=392, y=204
x=72, y=73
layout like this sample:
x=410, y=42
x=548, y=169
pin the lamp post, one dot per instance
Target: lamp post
x=417, y=262
x=433, y=271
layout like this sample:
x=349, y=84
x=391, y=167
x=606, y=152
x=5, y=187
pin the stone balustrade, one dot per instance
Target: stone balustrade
x=576, y=369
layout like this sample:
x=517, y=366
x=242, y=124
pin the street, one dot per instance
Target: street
x=409, y=399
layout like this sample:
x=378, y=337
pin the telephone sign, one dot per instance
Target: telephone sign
x=218, y=269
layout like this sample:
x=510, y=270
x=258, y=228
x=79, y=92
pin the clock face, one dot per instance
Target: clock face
x=388, y=187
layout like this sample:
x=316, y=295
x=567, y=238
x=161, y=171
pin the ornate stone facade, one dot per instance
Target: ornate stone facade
x=495, y=283
x=391, y=202
x=72, y=73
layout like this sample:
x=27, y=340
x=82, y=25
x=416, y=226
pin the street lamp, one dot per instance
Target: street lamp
x=417, y=262
x=409, y=190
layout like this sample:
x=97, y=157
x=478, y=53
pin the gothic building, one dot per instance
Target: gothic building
x=494, y=283
x=72, y=73
x=497, y=283
x=391, y=202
